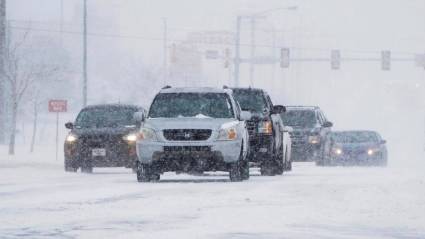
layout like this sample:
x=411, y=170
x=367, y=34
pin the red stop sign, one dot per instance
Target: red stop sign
x=57, y=105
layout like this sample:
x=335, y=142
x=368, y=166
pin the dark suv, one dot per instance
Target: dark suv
x=265, y=130
x=102, y=136
x=310, y=127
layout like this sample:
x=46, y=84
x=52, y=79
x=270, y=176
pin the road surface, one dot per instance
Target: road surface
x=39, y=200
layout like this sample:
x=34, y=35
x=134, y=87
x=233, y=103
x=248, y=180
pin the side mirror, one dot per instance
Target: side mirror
x=246, y=115
x=288, y=129
x=139, y=117
x=278, y=109
x=383, y=141
x=69, y=125
x=328, y=124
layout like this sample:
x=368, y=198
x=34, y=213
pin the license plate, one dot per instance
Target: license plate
x=98, y=152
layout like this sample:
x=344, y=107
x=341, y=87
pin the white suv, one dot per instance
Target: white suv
x=193, y=130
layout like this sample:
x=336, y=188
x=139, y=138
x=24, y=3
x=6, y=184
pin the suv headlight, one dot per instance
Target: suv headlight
x=265, y=127
x=314, y=139
x=131, y=138
x=71, y=138
x=227, y=134
x=147, y=134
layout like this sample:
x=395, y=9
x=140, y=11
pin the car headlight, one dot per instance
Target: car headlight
x=337, y=151
x=147, y=134
x=371, y=152
x=227, y=134
x=265, y=127
x=314, y=139
x=71, y=138
x=130, y=137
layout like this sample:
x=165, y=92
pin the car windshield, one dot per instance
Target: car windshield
x=250, y=100
x=199, y=105
x=302, y=118
x=354, y=137
x=105, y=117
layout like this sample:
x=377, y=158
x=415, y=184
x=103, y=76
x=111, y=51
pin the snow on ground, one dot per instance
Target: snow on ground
x=39, y=200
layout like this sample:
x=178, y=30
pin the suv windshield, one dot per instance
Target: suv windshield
x=303, y=118
x=250, y=100
x=201, y=105
x=354, y=137
x=104, y=117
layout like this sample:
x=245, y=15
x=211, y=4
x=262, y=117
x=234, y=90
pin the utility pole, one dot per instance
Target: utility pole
x=237, y=51
x=61, y=20
x=85, y=54
x=251, y=65
x=164, y=63
x=2, y=80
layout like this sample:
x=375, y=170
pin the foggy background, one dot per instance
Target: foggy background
x=125, y=57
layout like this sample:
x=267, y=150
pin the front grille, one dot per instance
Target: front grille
x=102, y=140
x=187, y=134
x=187, y=148
x=251, y=126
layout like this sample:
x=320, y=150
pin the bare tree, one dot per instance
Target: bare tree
x=22, y=71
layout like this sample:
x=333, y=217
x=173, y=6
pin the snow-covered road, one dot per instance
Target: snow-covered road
x=38, y=200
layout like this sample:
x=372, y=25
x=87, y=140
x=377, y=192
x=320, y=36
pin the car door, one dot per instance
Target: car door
x=277, y=124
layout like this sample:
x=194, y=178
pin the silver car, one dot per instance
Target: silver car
x=193, y=130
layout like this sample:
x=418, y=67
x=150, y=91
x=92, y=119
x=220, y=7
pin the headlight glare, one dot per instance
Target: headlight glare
x=130, y=137
x=71, y=138
x=265, y=127
x=315, y=139
x=337, y=151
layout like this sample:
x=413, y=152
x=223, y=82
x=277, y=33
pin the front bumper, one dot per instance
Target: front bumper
x=261, y=148
x=219, y=151
x=359, y=159
x=117, y=155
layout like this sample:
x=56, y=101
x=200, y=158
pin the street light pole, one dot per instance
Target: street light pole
x=164, y=63
x=85, y=54
x=237, y=51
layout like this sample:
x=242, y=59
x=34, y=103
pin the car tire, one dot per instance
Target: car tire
x=268, y=168
x=144, y=173
x=86, y=166
x=69, y=167
x=288, y=162
x=245, y=170
x=235, y=172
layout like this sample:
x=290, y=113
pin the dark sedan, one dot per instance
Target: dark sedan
x=102, y=136
x=354, y=148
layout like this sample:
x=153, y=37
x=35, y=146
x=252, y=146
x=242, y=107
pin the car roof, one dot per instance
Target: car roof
x=116, y=105
x=246, y=89
x=353, y=131
x=195, y=90
x=301, y=107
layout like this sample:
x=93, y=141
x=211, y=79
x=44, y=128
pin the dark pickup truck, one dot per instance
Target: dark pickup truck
x=266, y=131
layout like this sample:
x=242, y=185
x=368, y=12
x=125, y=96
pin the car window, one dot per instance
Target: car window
x=300, y=118
x=174, y=105
x=251, y=100
x=354, y=137
x=105, y=117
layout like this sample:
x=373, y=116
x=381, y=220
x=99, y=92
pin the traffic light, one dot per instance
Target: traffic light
x=335, y=59
x=284, y=57
x=386, y=60
x=227, y=56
